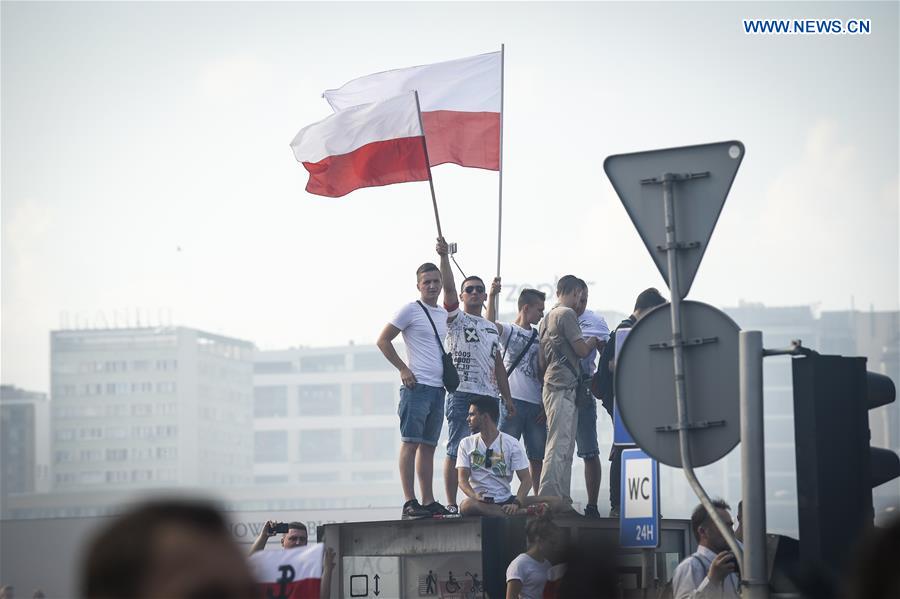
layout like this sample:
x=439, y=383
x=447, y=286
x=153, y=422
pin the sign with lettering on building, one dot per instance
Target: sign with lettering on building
x=639, y=500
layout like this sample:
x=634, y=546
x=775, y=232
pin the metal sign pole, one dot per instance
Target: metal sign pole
x=754, y=576
x=671, y=248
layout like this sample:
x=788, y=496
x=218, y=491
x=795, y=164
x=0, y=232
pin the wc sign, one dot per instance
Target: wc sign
x=639, y=500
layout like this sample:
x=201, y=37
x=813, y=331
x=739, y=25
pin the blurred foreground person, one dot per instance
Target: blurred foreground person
x=527, y=574
x=167, y=549
x=876, y=575
x=589, y=571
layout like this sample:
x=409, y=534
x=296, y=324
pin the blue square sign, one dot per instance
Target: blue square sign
x=639, y=500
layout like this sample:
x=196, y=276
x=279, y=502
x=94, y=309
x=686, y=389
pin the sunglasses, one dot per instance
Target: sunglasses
x=487, y=457
x=474, y=289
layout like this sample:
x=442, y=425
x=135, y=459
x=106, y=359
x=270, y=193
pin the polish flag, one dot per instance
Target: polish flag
x=364, y=146
x=289, y=574
x=460, y=103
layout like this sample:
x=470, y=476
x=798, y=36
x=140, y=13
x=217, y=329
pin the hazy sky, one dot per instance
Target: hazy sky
x=145, y=160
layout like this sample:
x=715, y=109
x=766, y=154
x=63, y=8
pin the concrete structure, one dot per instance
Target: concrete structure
x=150, y=407
x=24, y=441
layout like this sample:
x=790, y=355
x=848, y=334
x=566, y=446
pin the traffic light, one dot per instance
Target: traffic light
x=836, y=467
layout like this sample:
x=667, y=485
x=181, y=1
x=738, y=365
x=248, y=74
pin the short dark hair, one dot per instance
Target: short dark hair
x=540, y=528
x=567, y=284
x=530, y=296
x=427, y=267
x=583, y=284
x=700, y=516
x=118, y=558
x=649, y=298
x=486, y=405
x=462, y=285
x=297, y=525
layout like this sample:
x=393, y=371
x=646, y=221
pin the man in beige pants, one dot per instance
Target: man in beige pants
x=563, y=346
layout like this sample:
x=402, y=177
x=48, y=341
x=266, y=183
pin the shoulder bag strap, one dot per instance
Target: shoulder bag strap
x=522, y=354
x=436, y=336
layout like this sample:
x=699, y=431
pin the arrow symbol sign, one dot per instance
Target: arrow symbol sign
x=377, y=592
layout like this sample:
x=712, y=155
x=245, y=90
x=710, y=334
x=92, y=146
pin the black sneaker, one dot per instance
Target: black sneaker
x=412, y=510
x=436, y=509
x=591, y=511
x=453, y=509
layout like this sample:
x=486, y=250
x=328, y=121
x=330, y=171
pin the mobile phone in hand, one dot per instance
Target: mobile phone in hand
x=281, y=527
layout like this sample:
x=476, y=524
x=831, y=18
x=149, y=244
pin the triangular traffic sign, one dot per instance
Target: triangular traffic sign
x=701, y=178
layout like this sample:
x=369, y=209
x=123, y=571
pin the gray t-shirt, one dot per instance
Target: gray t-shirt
x=558, y=332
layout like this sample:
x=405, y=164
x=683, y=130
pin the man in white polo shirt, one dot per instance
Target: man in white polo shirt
x=423, y=324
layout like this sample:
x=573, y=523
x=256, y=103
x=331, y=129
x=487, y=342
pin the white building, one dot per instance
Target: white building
x=150, y=407
x=326, y=423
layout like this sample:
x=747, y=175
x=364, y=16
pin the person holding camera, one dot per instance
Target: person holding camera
x=295, y=535
x=711, y=572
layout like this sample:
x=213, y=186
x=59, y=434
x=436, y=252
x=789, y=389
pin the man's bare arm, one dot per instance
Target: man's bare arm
x=492, y=304
x=583, y=347
x=451, y=297
x=525, y=483
x=463, y=475
x=386, y=346
x=503, y=384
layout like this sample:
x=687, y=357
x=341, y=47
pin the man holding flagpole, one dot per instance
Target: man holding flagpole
x=474, y=343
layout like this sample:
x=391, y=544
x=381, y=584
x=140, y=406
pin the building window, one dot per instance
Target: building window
x=370, y=361
x=116, y=476
x=373, y=398
x=270, y=446
x=320, y=446
x=270, y=401
x=327, y=363
x=371, y=476
x=116, y=455
x=318, y=477
x=273, y=367
x=374, y=443
x=166, y=453
x=319, y=400
x=271, y=479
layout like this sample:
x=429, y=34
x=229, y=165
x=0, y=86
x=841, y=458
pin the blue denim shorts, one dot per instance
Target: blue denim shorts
x=523, y=425
x=420, y=413
x=586, y=434
x=457, y=411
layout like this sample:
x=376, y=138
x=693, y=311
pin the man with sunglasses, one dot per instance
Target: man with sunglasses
x=474, y=343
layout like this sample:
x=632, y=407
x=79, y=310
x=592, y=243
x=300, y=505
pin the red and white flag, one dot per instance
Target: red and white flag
x=460, y=103
x=289, y=574
x=363, y=146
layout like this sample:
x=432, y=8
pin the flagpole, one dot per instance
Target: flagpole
x=437, y=218
x=500, y=187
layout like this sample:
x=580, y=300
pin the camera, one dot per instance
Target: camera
x=280, y=527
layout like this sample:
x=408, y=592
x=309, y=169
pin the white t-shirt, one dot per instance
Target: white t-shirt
x=423, y=355
x=592, y=325
x=507, y=456
x=473, y=342
x=524, y=382
x=531, y=572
